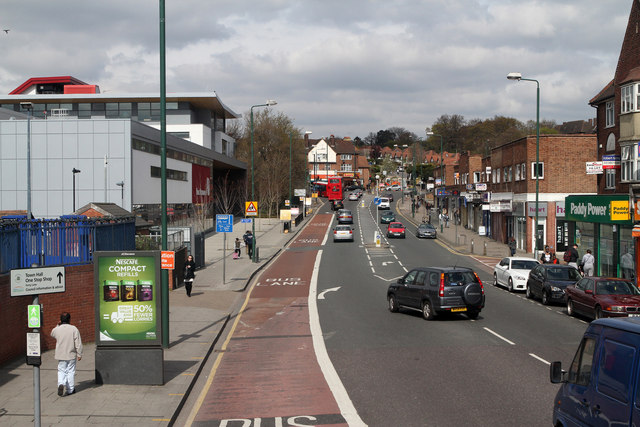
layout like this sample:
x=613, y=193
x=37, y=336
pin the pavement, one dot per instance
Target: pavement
x=195, y=324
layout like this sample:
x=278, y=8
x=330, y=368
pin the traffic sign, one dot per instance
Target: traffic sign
x=245, y=220
x=250, y=208
x=33, y=316
x=35, y=281
x=224, y=223
x=167, y=260
x=376, y=201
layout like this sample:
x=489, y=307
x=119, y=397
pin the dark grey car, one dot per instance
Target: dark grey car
x=548, y=281
x=438, y=290
x=427, y=231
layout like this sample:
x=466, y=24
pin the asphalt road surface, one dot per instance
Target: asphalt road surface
x=400, y=369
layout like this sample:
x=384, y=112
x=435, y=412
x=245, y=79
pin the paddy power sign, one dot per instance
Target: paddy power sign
x=601, y=209
x=127, y=294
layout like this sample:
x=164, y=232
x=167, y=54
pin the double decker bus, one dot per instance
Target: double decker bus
x=334, y=188
x=320, y=188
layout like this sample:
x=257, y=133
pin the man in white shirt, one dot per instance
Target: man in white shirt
x=68, y=350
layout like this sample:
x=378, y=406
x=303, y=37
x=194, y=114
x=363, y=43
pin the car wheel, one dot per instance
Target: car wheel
x=598, y=312
x=495, y=279
x=528, y=292
x=473, y=315
x=545, y=297
x=427, y=310
x=570, y=311
x=472, y=294
x=510, y=285
x=392, y=303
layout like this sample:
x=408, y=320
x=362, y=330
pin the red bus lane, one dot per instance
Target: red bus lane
x=268, y=375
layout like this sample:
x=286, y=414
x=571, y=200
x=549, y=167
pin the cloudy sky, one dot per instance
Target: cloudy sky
x=345, y=67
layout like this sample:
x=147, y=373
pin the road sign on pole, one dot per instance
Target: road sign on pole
x=36, y=281
x=224, y=223
x=250, y=208
x=33, y=316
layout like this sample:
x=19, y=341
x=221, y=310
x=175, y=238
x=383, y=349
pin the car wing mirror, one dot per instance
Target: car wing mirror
x=400, y=282
x=556, y=374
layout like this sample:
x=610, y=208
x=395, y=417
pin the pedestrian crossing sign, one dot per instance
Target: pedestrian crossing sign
x=250, y=208
x=33, y=316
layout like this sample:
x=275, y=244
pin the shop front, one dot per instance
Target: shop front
x=602, y=224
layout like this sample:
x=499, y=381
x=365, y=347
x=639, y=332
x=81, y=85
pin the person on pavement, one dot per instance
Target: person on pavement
x=512, y=246
x=68, y=351
x=573, y=259
x=588, y=263
x=189, y=274
x=546, y=257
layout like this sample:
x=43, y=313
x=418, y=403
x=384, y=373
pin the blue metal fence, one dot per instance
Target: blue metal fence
x=64, y=241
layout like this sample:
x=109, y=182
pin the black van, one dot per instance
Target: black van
x=602, y=385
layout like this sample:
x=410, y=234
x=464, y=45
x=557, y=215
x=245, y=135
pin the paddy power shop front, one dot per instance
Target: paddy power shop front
x=604, y=225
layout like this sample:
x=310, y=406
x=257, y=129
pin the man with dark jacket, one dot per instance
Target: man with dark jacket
x=573, y=259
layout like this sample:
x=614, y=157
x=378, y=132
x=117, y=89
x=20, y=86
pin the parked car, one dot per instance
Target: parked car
x=426, y=230
x=342, y=232
x=599, y=297
x=395, y=229
x=513, y=272
x=548, y=281
x=387, y=217
x=438, y=290
x=337, y=204
x=389, y=196
x=345, y=217
x=601, y=385
x=384, y=203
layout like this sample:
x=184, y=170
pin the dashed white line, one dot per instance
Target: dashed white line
x=499, y=336
x=539, y=358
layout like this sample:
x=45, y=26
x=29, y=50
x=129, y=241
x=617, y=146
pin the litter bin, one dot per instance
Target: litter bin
x=286, y=226
x=198, y=249
x=257, y=254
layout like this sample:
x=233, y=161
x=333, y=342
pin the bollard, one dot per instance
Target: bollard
x=471, y=245
x=484, y=250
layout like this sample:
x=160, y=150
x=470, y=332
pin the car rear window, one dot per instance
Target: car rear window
x=459, y=278
x=343, y=228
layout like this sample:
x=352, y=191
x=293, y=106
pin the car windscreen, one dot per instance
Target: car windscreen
x=426, y=227
x=616, y=287
x=563, y=274
x=523, y=264
x=459, y=278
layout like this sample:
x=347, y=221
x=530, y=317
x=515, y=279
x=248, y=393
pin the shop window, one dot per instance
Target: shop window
x=627, y=249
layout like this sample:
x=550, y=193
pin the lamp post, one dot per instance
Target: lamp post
x=29, y=107
x=429, y=133
x=121, y=185
x=253, y=223
x=518, y=77
x=74, y=171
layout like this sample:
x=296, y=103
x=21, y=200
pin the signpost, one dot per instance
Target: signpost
x=224, y=224
x=377, y=201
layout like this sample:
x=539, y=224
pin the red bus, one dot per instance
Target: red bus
x=334, y=188
x=320, y=188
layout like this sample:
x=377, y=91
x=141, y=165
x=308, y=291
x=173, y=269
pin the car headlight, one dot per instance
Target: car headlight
x=519, y=277
x=555, y=289
x=616, y=308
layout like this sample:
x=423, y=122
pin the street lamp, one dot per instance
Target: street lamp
x=121, y=185
x=253, y=223
x=29, y=107
x=518, y=77
x=74, y=171
x=430, y=133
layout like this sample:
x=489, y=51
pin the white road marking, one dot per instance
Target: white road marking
x=539, y=358
x=385, y=263
x=347, y=409
x=321, y=294
x=499, y=336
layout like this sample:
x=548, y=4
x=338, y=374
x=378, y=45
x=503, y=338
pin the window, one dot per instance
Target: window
x=148, y=111
x=345, y=156
x=629, y=170
x=615, y=368
x=609, y=117
x=610, y=178
x=346, y=167
x=517, y=172
x=498, y=176
x=477, y=177
x=629, y=96
x=540, y=170
x=580, y=370
x=510, y=173
x=171, y=174
x=523, y=173
x=115, y=110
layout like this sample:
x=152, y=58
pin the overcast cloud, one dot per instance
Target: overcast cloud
x=346, y=67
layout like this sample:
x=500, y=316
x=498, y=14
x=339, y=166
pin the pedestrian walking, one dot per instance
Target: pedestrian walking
x=237, y=248
x=245, y=238
x=588, y=263
x=512, y=245
x=189, y=274
x=573, y=256
x=68, y=351
x=248, y=241
x=547, y=256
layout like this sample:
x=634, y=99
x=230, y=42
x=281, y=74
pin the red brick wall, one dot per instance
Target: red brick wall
x=78, y=299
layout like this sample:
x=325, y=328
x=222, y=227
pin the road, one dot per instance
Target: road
x=314, y=343
x=402, y=370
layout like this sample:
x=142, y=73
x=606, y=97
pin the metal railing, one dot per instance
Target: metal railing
x=25, y=243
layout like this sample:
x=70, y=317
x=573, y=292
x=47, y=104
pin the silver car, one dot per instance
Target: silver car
x=342, y=232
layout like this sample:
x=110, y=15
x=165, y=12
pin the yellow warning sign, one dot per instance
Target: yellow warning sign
x=250, y=208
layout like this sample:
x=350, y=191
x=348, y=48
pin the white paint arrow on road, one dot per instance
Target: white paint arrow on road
x=385, y=263
x=321, y=294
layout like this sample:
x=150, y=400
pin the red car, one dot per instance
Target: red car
x=598, y=297
x=395, y=229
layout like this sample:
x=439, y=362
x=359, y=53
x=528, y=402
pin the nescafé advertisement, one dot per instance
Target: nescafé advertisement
x=127, y=297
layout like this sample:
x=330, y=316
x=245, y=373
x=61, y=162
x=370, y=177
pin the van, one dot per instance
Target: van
x=602, y=386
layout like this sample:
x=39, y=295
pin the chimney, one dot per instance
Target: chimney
x=333, y=140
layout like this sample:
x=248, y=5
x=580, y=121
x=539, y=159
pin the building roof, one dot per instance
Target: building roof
x=33, y=81
x=606, y=93
x=110, y=210
x=577, y=126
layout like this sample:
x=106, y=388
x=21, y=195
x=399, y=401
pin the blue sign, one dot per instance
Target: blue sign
x=224, y=223
x=376, y=201
x=246, y=220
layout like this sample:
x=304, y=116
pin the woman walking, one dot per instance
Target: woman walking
x=189, y=274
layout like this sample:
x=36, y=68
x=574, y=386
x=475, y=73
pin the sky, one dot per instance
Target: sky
x=343, y=68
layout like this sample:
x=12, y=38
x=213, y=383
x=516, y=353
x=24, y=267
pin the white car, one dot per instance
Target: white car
x=353, y=196
x=513, y=272
x=384, y=203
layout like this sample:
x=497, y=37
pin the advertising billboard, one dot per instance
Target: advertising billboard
x=127, y=293
x=201, y=184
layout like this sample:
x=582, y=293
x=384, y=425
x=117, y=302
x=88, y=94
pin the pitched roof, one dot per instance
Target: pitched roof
x=106, y=209
x=606, y=93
